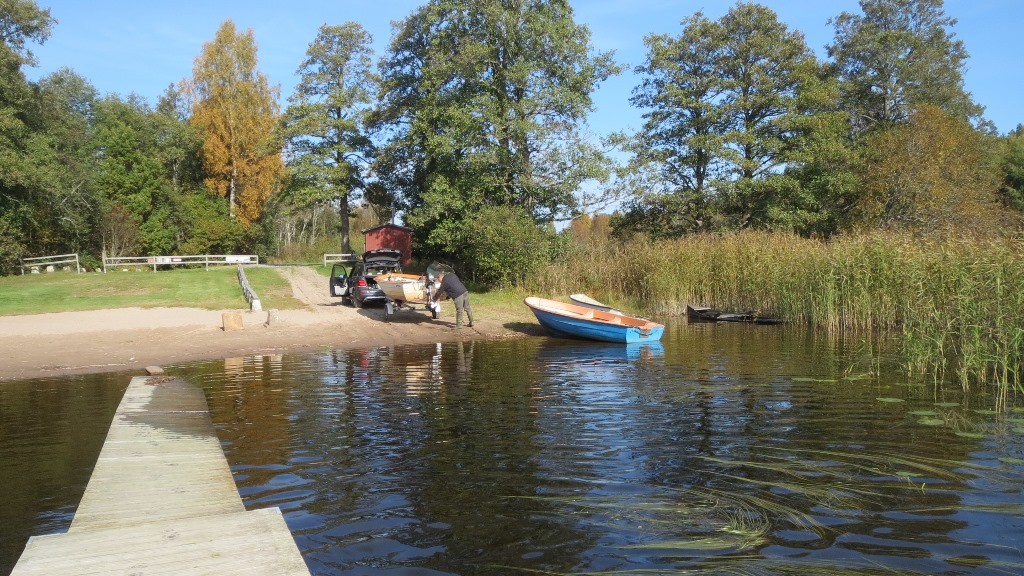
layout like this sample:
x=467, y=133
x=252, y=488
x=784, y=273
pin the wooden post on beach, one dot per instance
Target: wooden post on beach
x=232, y=321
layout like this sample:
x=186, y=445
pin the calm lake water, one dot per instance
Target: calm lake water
x=727, y=449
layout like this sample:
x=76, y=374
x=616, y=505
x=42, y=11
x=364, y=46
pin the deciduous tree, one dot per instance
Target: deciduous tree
x=131, y=175
x=932, y=172
x=488, y=99
x=23, y=153
x=235, y=109
x=732, y=108
x=505, y=246
x=22, y=21
x=1012, y=164
x=64, y=207
x=180, y=149
x=680, y=149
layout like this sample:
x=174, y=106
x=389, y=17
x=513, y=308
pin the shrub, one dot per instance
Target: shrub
x=504, y=246
x=11, y=247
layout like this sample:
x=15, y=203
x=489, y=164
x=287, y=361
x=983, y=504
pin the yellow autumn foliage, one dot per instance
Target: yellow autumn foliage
x=237, y=112
x=932, y=172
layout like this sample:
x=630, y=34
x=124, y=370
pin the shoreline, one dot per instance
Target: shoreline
x=129, y=339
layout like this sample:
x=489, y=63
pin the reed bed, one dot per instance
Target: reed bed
x=956, y=305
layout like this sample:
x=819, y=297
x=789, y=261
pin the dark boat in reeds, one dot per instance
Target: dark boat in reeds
x=704, y=314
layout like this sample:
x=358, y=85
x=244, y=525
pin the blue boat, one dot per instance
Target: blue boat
x=574, y=321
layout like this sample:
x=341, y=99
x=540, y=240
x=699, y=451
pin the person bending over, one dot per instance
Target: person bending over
x=453, y=287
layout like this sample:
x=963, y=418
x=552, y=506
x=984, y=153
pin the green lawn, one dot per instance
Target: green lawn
x=505, y=303
x=274, y=291
x=215, y=289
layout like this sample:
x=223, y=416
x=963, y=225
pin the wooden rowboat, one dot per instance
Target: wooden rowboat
x=576, y=321
x=588, y=302
x=704, y=314
x=411, y=288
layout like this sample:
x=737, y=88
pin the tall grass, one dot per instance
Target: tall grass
x=956, y=305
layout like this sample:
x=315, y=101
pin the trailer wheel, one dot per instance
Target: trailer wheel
x=388, y=311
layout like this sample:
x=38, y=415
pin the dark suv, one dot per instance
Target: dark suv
x=356, y=285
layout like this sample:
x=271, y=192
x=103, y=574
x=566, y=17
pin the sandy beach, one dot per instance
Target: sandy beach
x=40, y=345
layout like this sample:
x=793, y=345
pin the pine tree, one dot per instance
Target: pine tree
x=897, y=56
x=326, y=123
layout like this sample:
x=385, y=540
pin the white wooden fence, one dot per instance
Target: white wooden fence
x=154, y=261
x=248, y=292
x=45, y=261
x=332, y=258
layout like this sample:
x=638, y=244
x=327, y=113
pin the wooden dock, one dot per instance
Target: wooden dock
x=161, y=501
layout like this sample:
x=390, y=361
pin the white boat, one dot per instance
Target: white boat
x=404, y=288
x=588, y=302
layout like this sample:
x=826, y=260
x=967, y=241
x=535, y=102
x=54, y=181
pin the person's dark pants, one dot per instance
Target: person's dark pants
x=462, y=303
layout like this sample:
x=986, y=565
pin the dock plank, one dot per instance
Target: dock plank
x=161, y=501
x=161, y=460
x=256, y=542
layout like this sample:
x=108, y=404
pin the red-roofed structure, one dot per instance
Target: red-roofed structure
x=390, y=236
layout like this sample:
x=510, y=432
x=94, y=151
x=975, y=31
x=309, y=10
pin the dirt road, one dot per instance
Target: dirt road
x=308, y=286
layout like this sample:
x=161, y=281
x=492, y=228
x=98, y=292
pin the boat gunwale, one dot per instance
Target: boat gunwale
x=577, y=312
x=395, y=286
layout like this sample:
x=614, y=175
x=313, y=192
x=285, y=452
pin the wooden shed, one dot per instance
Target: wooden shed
x=390, y=236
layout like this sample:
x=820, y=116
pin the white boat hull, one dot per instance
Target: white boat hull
x=404, y=288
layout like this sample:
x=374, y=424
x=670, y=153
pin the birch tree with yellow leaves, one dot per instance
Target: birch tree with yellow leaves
x=236, y=110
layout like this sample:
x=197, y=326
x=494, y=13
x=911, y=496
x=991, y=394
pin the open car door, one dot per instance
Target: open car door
x=338, y=282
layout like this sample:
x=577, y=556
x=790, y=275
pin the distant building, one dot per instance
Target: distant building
x=390, y=236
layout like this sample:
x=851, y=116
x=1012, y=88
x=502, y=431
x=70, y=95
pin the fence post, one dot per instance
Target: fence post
x=248, y=292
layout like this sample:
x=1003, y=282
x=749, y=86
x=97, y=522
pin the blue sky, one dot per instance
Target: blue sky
x=142, y=46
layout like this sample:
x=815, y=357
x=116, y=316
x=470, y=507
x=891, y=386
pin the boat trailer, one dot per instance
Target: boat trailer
x=392, y=306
